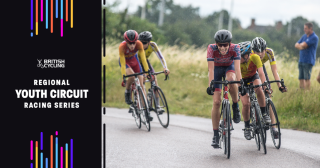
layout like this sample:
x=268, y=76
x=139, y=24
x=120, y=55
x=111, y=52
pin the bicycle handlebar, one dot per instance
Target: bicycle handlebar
x=224, y=82
x=266, y=84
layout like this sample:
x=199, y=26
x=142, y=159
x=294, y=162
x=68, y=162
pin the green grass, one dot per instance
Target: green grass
x=186, y=89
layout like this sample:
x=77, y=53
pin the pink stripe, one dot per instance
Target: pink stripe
x=61, y=157
x=41, y=10
x=56, y=132
x=31, y=150
x=61, y=27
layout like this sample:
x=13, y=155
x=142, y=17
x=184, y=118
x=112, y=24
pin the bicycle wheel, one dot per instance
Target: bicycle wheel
x=255, y=133
x=135, y=112
x=228, y=123
x=163, y=116
x=260, y=127
x=223, y=128
x=276, y=125
x=143, y=109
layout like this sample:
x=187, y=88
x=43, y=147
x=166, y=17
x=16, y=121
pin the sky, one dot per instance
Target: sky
x=265, y=12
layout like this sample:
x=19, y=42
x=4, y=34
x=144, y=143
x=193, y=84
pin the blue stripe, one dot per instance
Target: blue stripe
x=56, y=152
x=46, y=14
x=56, y=8
x=66, y=146
x=46, y=162
x=61, y=9
x=41, y=160
x=210, y=59
x=31, y=34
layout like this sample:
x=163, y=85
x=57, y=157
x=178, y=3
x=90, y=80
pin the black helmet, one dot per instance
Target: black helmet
x=130, y=36
x=245, y=48
x=223, y=36
x=259, y=44
x=145, y=36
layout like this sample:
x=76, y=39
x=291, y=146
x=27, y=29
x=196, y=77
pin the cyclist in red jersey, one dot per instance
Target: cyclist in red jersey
x=223, y=60
x=129, y=61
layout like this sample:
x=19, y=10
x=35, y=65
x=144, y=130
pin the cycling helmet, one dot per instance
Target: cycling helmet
x=223, y=36
x=130, y=36
x=245, y=48
x=258, y=44
x=145, y=36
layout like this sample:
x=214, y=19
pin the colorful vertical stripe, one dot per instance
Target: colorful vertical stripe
x=41, y=140
x=61, y=18
x=56, y=133
x=56, y=152
x=46, y=162
x=71, y=13
x=36, y=154
x=46, y=14
x=31, y=150
x=31, y=14
x=36, y=23
x=41, y=160
x=51, y=16
x=61, y=158
x=41, y=10
x=31, y=165
x=66, y=10
x=56, y=8
x=71, y=143
x=51, y=151
x=66, y=155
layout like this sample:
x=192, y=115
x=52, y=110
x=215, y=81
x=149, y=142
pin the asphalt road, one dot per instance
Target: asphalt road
x=187, y=143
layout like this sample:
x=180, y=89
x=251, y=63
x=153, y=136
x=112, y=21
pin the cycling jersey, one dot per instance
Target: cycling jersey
x=125, y=53
x=213, y=54
x=154, y=48
x=269, y=56
x=249, y=69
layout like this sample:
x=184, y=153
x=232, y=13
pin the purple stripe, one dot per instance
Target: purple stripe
x=41, y=141
x=71, y=152
x=31, y=14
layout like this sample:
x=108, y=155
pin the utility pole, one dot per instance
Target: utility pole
x=221, y=17
x=161, y=15
x=230, y=18
x=143, y=11
x=289, y=28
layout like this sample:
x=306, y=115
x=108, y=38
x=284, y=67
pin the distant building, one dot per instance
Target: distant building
x=263, y=29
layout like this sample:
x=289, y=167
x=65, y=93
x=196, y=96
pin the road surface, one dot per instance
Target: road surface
x=187, y=143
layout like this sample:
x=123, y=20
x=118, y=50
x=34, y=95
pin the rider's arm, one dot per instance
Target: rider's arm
x=237, y=59
x=257, y=61
x=142, y=56
x=122, y=60
x=275, y=73
x=211, y=71
x=159, y=55
x=210, y=60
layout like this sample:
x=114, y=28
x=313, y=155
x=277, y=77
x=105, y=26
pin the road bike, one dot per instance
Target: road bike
x=225, y=126
x=157, y=101
x=270, y=108
x=140, y=105
x=257, y=125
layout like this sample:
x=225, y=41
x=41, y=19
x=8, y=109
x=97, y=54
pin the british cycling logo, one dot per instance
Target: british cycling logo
x=51, y=63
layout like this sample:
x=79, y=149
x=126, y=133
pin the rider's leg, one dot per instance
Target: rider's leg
x=233, y=88
x=130, y=80
x=246, y=115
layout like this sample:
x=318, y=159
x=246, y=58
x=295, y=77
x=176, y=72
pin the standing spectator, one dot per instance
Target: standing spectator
x=308, y=47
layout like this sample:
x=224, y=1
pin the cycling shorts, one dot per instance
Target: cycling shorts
x=133, y=63
x=251, y=79
x=221, y=71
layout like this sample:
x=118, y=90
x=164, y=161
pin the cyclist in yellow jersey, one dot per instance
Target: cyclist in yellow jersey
x=249, y=66
x=150, y=47
x=259, y=47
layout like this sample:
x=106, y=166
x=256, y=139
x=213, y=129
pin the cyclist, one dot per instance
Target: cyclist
x=150, y=47
x=223, y=60
x=259, y=47
x=129, y=61
x=250, y=64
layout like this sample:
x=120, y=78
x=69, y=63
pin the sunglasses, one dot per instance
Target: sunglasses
x=131, y=43
x=144, y=42
x=223, y=45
